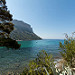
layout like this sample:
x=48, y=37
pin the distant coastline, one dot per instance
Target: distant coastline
x=19, y=40
x=23, y=31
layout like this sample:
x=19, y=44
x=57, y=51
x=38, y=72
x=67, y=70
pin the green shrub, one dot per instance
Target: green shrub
x=68, y=50
x=42, y=65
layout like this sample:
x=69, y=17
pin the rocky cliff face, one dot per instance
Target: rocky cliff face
x=22, y=26
x=23, y=31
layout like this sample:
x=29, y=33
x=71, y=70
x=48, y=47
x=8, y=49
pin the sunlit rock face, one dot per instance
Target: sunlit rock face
x=22, y=26
x=23, y=31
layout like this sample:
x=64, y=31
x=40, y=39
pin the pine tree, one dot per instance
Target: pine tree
x=6, y=27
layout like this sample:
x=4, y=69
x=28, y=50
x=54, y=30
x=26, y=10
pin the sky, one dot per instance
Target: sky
x=50, y=19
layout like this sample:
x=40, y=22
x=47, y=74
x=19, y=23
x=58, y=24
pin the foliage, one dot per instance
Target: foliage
x=42, y=65
x=68, y=50
x=6, y=27
x=9, y=43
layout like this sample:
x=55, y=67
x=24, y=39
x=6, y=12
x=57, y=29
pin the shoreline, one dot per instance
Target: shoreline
x=19, y=69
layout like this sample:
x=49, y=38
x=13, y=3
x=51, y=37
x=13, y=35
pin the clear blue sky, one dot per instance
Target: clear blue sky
x=49, y=19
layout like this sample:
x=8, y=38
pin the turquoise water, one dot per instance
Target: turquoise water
x=15, y=60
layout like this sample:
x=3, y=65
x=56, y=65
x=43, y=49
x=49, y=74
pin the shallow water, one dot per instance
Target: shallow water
x=15, y=60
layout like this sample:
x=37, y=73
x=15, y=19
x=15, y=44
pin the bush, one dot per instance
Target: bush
x=42, y=65
x=68, y=50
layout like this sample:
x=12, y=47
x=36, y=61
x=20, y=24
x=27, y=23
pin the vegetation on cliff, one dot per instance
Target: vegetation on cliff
x=23, y=31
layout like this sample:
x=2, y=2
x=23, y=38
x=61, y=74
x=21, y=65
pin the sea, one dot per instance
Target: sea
x=14, y=61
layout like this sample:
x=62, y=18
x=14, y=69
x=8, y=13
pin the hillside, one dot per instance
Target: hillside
x=23, y=31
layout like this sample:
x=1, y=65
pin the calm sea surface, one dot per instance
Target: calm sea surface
x=15, y=60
